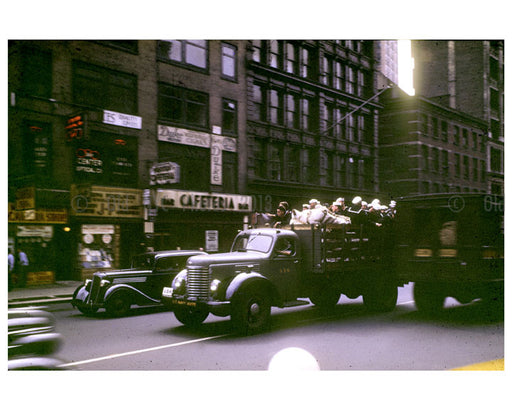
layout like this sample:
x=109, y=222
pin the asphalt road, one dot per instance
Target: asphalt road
x=348, y=338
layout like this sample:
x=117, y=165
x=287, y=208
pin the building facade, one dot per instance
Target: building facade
x=115, y=146
x=311, y=132
x=467, y=76
x=427, y=147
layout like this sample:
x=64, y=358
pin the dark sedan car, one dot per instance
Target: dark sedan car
x=142, y=284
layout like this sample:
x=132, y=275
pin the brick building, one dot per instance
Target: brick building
x=117, y=143
x=467, y=76
x=302, y=142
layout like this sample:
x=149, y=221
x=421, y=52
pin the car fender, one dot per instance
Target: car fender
x=81, y=294
x=122, y=287
x=249, y=279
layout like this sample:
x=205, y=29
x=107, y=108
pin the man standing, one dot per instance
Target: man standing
x=11, y=261
x=22, y=268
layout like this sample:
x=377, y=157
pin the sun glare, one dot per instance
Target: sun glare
x=405, y=66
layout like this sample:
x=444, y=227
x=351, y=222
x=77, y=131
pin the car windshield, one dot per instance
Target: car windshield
x=143, y=261
x=256, y=242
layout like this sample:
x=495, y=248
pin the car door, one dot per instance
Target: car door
x=166, y=267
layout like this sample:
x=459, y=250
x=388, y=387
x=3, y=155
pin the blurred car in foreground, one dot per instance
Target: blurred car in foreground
x=32, y=340
x=116, y=291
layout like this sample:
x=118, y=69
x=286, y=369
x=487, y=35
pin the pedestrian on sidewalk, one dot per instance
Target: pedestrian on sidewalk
x=11, y=263
x=22, y=268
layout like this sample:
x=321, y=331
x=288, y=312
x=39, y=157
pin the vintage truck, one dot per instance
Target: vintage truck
x=285, y=267
x=451, y=245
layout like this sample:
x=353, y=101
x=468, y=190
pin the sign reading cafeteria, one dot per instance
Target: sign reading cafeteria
x=173, y=198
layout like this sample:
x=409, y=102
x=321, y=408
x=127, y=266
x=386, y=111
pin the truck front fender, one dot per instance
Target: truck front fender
x=251, y=278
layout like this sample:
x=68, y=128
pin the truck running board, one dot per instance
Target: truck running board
x=295, y=303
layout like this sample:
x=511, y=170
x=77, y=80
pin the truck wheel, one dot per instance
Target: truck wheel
x=191, y=317
x=251, y=312
x=118, y=304
x=428, y=298
x=325, y=298
x=380, y=297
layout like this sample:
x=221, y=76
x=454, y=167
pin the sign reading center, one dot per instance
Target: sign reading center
x=173, y=198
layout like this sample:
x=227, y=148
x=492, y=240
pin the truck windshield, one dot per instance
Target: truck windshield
x=257, y=242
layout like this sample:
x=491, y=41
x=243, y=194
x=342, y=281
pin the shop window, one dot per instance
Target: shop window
x=228, y=61
x=36, y=74
x=229, y=117
x=96, y=86
x=182, y=106
x=193, y=53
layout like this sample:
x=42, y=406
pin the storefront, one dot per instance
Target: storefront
x=197, y=220
x=43, y=234
x=108, y=227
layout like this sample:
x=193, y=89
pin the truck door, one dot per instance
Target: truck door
x=284, y=268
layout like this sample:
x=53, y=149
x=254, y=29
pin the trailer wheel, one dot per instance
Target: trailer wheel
x=428, y=298
x=191, y=317
x=381, y=297
x=251, y=312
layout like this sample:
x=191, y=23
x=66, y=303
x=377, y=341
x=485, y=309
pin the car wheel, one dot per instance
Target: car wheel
x=251, y=312
x=191, y=317
x=118, y=304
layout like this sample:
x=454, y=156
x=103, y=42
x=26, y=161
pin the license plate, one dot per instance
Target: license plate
x=167, y=292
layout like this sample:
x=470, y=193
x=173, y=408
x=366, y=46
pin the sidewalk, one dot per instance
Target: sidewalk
x=58, y=292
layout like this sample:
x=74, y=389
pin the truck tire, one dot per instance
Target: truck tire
x=118, y=304
x=190, y=317
x=380, y=297
x=87, y=311
x=428, y=298
x=251, y=312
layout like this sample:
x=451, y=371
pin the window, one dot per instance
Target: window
x=305, y=69
x=108, y=89
x=229, y=117
x=361, y=84
x=275, y=54
x=435, y=128
x=293, y=164
x=327, y=71
x=131, y=46
x=465, y=167
x=456, y=160
x=256, y=51
x=444, y=131
x=291, y=59
x=292, y=111
x=328, y=120
x=444, y=163
x=188, y=52
x=309, y=166
x=465, y=137
x=276, y=107
x=182, y=106
x=350, y=81
x=456, y=135
x=435, y=160
x=306, y=115
x=259, y=106
x=475, y=169
x=338, y=75
x=36, y=74
x=350, y=128
x=229, y=61
x=275, y=162
x=260, y=160
x=340, y=171
x=361, y=130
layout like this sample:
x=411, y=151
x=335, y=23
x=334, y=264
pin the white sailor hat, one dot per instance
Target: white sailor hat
x=357, y=200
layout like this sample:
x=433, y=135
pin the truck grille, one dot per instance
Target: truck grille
x=198, y=282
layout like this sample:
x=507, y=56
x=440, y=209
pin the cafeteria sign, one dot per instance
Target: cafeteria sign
x=173, y=198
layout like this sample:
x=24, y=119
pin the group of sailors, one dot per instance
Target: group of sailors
x=359, y=211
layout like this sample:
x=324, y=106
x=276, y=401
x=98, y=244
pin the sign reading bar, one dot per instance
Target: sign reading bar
x=122, y=120
x=172, y=198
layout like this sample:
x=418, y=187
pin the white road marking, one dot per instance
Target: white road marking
x=150, y=349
